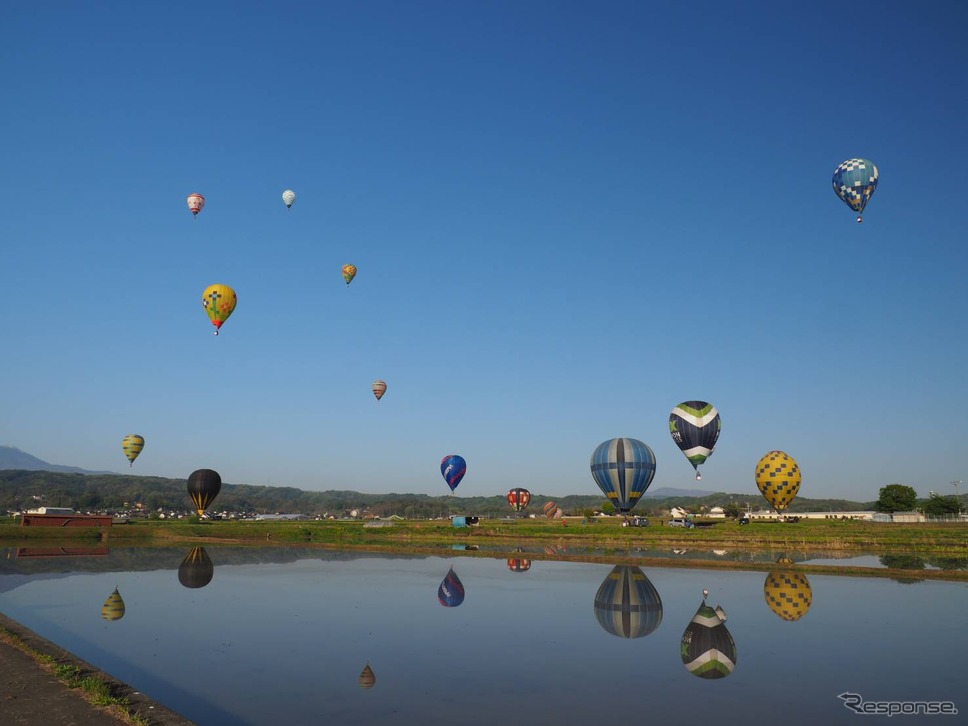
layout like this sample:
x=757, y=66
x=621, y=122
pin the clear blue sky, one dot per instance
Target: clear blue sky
x=567, y=216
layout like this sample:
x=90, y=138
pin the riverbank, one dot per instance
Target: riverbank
x=43, y=684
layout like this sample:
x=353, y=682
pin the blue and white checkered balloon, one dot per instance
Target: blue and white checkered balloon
x=854, y=182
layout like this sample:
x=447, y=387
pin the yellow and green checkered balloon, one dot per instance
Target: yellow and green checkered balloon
x=778, y=479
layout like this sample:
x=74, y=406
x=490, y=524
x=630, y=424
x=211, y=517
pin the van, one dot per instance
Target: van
x=681, y=523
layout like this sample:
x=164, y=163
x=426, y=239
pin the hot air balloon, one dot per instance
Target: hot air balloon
x=519, y=498
x=550, y=509
x=451, y=590
x=623, y=469
x=131, y=445
x=778, y=479
x=627, y=605
x=349, y=272
x=707, y=648
x=453, y=468
x=195, y=203
x=288, y=197
x=367, y=678
x=854, y=182
x=219, y=301
x=517, y=564
x=203, y=487
x=196, y=570
x=695, y=427
x=379, y=388
x=788, y=594
x=113, y=608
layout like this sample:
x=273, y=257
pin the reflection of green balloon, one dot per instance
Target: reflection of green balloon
x=197, y=569
x=113, y=608
x=788, y=594
x=627, y=604
x=707, y=648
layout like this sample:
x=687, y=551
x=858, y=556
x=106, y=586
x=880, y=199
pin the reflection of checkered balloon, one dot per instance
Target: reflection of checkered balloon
x=788, y=594
x=778, y=479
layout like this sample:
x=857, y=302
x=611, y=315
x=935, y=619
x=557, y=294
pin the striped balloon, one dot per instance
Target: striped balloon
x=623, y=469
x=695, y=427
x=627, y=604
x=113, y=608
x=131, y=445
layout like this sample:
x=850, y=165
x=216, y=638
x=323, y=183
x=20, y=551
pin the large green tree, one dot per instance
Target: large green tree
x=896, y=498
x=939, y=504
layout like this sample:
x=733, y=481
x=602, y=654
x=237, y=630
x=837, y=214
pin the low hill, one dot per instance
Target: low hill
x=13, y=458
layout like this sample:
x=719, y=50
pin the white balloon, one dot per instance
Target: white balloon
x=289, y=196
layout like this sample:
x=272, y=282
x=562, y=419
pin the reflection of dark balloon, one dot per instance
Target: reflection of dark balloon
x=203, y=487
x=451, y=590
x=196, y=570
x=367, y=679
x=707, y=648
x=627, y=604
x=519, y=565
x=788, y=594
x=113, y=608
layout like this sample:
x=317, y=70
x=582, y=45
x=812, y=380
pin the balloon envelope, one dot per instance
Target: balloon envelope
x=453, y=468
x=131, y=445
x=349, y=272
x=627, y=605
x=219, y=302
x=519, y=498
x=288, y=197
x=203, y=486
x=113, y=608
x=550, y=509
x=778, y=478
x=379, y=388
x=196, y=570
x=195, y=203
x=854, y=182
x=707, y=647
x=695, y=427
x=451, y=590
x=623, y=469
x=788, y=594
x=367, y=677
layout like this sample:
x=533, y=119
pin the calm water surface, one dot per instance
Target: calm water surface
x=281, y=636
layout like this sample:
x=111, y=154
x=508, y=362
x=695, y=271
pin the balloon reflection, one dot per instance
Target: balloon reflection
x=707, y=647
x=113, y=608
x=627, y=605
x=788, y=594
x=519, y=565
x=451, y=590
x=196, y=570
x=367, y=679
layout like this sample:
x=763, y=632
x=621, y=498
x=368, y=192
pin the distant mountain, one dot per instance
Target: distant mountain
x=666, y=492
x=13, y=458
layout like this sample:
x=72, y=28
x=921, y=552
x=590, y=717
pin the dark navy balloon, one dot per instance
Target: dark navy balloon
x=453, y=468
x=451, y=590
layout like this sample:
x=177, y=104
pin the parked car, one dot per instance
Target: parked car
x=744, y=520
x=638, y=522
x=681, y=523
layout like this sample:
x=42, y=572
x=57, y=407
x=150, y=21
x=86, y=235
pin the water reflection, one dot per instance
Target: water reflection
x=788, y=594
x=197, y=569
x=707, y=647
x=45, y=552
x=451, y=590
x=519, y=565
x=627, y=605
x=113, y=608
x=367, y=678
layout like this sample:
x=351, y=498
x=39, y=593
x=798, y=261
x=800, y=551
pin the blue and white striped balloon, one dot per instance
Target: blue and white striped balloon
x=623, y=470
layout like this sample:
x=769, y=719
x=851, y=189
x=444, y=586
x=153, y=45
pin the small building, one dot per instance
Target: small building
x=907, y=517
x=66, y=520
x=716, y=513
x=463, y=521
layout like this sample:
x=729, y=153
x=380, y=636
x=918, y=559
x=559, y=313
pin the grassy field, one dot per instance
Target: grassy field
x=606, y=539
